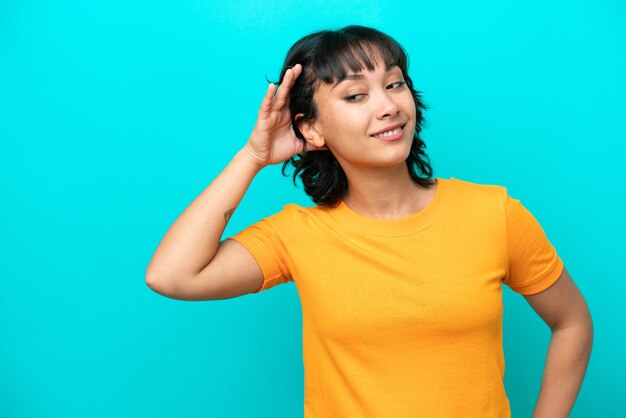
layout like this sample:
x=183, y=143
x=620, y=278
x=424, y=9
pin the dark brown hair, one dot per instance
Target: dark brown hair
x=326, y=56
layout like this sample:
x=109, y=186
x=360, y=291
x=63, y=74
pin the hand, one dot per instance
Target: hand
x=273, y=140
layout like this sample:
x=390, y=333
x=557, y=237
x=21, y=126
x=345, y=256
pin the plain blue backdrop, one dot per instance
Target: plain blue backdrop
x=115, y=115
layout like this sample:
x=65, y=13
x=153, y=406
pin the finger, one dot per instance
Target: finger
x=297, y=70
x=266, y=104
x=283, y=91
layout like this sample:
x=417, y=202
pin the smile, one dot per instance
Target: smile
x=391, y=134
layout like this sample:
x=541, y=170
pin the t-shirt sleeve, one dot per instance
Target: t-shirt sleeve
x=267, y=246
x=533, y=263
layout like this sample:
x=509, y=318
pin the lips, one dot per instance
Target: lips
x=389, y=130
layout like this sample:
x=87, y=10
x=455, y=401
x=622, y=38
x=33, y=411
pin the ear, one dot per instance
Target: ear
x=311, y=132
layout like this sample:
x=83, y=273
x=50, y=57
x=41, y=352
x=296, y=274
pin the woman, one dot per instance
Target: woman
x=399, y=274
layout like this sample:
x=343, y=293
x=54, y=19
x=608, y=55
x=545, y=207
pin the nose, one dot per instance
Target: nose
x=387, y=107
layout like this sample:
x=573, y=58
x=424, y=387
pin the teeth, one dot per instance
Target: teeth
x=389, y=133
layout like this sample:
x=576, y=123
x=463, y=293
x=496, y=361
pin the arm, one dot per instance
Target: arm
x=190, y=262
x=564, y=310
x=193, y=239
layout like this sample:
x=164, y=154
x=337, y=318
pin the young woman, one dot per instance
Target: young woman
x=399, y=274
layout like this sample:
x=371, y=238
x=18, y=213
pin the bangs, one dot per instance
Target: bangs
x=342, y=53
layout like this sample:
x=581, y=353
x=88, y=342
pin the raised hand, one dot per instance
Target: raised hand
x=272, y=140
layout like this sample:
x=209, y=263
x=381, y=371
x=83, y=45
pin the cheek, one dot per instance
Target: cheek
x=349, y=125
x=343, y=123
x=409, y=104
x=339, y=121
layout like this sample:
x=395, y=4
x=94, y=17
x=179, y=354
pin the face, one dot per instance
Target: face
x=366, y=120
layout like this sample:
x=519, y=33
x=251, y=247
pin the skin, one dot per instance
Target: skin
x=563, y=308
x=349, y=112
x=272, y=140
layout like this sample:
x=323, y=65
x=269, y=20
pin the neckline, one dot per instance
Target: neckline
x=393, y=227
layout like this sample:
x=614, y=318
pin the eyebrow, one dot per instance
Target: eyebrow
x=359, y=76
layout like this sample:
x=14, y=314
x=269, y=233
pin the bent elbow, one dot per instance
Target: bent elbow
x=158, y=284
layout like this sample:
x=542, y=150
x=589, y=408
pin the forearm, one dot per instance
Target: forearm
x=192, y=240
x=565, y=368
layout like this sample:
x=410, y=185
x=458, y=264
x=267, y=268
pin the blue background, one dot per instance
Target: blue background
x=115, y=115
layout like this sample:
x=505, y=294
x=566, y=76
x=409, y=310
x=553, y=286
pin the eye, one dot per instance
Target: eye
x=354, y=97
x=397, y=85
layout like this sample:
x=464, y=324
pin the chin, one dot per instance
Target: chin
x=393, y=161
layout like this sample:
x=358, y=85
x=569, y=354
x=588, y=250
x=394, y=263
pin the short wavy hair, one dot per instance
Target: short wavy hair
x=326, y=56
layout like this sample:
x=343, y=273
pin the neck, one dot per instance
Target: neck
x=385, y=192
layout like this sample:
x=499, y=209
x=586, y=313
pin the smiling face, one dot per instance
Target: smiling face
x=366, y=119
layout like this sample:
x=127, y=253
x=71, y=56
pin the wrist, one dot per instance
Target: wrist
x=251, y=158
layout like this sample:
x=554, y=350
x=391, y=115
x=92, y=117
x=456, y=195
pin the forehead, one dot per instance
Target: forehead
x=358, y=75
x=335, y=63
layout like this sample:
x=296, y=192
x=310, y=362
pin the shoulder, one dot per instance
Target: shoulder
x=295, y=210
x=294, y=219
x=291, y=210
x=469, y=191
x=292, y=215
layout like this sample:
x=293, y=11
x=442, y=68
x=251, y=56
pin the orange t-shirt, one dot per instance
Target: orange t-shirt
x=403, y=317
